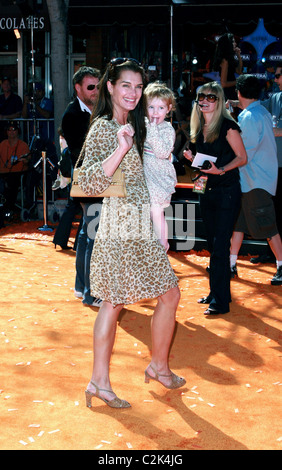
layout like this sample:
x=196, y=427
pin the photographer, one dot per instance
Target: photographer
x=10, y=105
x=14, y=157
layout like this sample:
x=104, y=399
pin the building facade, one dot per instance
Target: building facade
x=174, y=39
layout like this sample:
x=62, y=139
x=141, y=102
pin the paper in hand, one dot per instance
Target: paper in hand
x=200, y=158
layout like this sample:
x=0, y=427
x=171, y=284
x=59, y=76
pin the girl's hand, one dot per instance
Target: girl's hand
x=154, y=121
x=188, y=154
x=125, y=137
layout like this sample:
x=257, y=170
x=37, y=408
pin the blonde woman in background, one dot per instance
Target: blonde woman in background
x=216, y=134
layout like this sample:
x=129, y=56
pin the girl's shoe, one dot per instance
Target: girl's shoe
x=114, y=403
x=56, y=184
x=175, y=382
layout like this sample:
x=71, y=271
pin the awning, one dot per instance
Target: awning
x=126, y=12
x=191, y=12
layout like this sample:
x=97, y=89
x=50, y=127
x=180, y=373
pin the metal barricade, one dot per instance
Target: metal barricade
x=39, y=135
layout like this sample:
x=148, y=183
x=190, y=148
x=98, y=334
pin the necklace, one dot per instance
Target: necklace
x=116, y=121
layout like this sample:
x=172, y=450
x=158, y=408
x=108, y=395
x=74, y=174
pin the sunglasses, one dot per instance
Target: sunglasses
x=122, y=60
x=277, y=75
x=91, y=87
x=210, y=97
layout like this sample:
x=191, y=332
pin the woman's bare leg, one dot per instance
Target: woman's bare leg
x=103, y=342
x=162, y=327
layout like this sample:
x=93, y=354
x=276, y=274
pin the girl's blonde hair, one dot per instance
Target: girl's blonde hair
x=197, y=119
x=160, y=90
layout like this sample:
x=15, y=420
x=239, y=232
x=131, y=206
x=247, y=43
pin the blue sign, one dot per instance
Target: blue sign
x=260, y=39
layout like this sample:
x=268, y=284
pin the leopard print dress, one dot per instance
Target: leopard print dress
x=128, y=263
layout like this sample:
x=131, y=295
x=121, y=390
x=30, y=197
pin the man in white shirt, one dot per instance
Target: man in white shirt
x=274, y=106
x=258, y=177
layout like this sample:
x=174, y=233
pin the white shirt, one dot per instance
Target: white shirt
x=257, y=134
x=83, y=106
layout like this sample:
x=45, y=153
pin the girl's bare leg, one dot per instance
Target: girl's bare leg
x=160, y=225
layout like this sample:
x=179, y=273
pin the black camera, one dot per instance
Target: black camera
x=206, y=165
x=14, y=159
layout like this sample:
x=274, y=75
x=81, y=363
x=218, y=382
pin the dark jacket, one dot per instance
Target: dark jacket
x=75, y=125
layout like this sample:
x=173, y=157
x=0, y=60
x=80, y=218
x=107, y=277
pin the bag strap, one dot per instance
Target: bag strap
x=81, y=155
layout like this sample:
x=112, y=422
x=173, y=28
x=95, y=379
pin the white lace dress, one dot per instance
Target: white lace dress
x=159, y=172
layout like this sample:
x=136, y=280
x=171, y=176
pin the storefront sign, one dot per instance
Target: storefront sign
x=260, y=39
x=276, y=57
x=11, y=23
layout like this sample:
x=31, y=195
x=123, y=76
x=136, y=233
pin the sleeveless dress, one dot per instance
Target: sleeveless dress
x=128, y=263
x=159, y=172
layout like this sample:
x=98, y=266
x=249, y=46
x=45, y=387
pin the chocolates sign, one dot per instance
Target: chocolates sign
x=10, y=23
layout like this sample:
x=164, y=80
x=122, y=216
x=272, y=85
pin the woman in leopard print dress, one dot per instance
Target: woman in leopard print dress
x=128, y=263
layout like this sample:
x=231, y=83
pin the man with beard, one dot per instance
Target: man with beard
x=75, y=123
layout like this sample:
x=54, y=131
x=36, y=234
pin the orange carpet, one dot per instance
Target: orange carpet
x=232, y=363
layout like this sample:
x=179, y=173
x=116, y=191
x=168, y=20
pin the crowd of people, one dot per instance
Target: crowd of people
x=121, y=121
x=128, y=130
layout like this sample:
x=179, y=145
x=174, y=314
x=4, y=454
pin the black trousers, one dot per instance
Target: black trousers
x=220, y=207
x=9, y=185
x=63, y=231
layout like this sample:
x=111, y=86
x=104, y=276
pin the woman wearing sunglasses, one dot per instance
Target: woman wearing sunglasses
x=216, y=133
x=128, y=263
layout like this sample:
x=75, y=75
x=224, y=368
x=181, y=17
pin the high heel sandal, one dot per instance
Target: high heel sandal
x=205, y=300
x=65, y=247
x=176, y=381
x=114, y=403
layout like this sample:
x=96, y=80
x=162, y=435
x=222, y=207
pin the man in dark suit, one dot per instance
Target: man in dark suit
x=75, y=123
x=76, y=118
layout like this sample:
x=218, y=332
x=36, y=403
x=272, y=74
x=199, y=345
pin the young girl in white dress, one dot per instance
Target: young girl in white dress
x=159, y=172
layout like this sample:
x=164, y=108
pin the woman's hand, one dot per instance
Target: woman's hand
x=213, y=170
x=125, y=141
x=188, y=155
x=237, y=51
x=125, y=137
x=233, y=103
